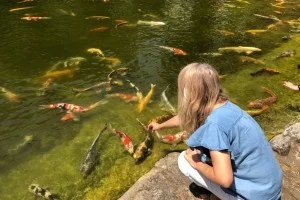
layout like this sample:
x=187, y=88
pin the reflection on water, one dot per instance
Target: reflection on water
x=37, y=147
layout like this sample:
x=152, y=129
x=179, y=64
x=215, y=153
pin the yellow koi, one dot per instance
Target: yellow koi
x=254, y=32
x=59, y=73
x=146, y=100
x=10, y=95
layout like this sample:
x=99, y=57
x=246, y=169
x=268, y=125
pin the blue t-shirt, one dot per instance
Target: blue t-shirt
x=257, y=174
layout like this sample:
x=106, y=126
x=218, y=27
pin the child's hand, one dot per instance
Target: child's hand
x=153, y=126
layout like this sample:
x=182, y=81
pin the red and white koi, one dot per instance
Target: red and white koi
x=172, y=139
x=126, y=141
x=72, y=109
x=34, y=18
x=176, y=51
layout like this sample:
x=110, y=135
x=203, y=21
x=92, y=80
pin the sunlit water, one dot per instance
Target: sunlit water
x=30, y=48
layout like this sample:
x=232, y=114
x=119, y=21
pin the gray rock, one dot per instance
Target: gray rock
x=283, y=142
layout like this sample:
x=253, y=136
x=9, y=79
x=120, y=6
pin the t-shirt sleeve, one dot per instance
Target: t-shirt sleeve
x=211, y=137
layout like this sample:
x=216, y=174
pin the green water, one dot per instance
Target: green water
x=30, y=48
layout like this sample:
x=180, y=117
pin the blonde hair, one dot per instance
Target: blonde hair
x=199, y=91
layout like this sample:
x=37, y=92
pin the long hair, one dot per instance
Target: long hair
x=198, y=92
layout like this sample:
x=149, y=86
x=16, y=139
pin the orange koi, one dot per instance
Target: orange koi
x=99, y=29
x=176, y=51
x=264, y=103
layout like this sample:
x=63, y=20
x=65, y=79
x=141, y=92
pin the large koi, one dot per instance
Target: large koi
x=144, y=148
x=72, y=110
x=126, y=141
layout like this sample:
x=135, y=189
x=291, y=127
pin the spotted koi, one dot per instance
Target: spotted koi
x=176, y=51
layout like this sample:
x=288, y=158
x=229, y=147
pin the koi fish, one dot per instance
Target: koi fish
x=126, y=141
x=161, y=118
x=255, y=112
x=254, y=32
x=95, y=51
x=120, y=22
x=176, y=51
x=59, y=73
x=125, y=96
x=239, y=49
x=139, y=94
x=165, y=102
x=74, y=61
x=46, y=85
x=251, y=60
x=120, y=71
x=273, y=18
x=150, y=23
x=34, y=18
x=144, y=148
x=265, y=71
x=97, y=17
x=64, y=12
x=98, y=85
x=10, y=95
x=225, y=33
x=42, y=192
x=289, y=53
x=264, y=103
x=72, y=109
x=99, y=29
x=172, y=139
x=91, y=158
x=25, y=1
x=23, y=8
x=146, y=99
x=211, y=54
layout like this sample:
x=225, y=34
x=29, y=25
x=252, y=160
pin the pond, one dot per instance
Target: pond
x=36, y=146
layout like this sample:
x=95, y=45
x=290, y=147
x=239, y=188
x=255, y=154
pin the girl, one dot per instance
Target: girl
x=242, y=164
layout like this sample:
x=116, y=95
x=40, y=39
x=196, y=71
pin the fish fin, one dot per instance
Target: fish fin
x=249, y=52
x=67, y=116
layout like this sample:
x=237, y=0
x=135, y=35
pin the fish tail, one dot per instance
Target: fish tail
x=3, y=89
x=101, y=102
x=43, y=107
x=269, y=91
